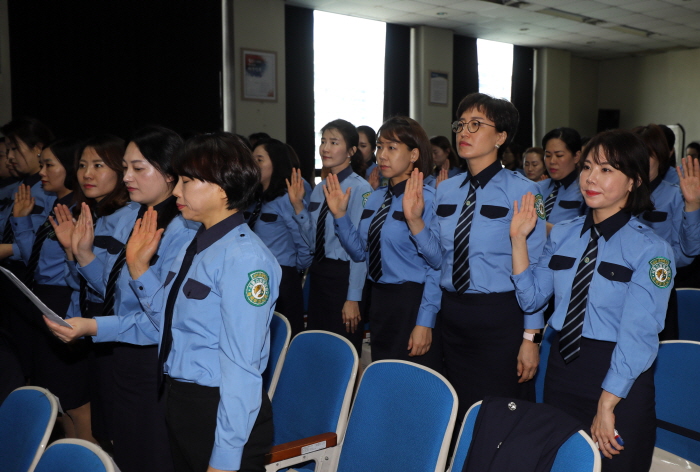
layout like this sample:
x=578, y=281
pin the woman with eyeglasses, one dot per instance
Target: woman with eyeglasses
x=486, y=351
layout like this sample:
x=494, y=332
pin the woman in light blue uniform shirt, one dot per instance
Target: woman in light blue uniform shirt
x=336, y=280
x=562, y=198
x=487, y=339
x=611, y=277
x=405, y=290
x=445, y=160
x=271, y=219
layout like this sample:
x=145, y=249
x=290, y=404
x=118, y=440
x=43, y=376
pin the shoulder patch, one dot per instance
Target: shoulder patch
x=539, y=207
x=365, y=196
x=257, y=290
x=660, y=272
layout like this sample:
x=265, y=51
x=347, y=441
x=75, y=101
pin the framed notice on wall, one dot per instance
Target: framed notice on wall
x=259, y=75
x=438, y=88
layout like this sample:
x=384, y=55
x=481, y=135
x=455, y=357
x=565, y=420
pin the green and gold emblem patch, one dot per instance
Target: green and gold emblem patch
x=539, y=207
x=257, y=290
x=660, y=272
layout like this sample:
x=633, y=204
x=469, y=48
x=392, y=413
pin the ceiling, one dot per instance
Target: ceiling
x=596, y=29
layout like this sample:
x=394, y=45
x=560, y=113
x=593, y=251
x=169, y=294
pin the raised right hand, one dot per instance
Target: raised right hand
x=336, y=199
x=374, y=179
x=24, y=202
x=413, y=202
x=442, y=176
x=295, y=190
x=524, y=218
x=63, y=225
x=83, y=236
x=143, y=243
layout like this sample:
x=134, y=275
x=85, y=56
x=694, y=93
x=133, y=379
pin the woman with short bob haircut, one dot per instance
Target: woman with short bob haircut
x=405, y=289
x=492, y=351
x=271, y=217
x=446, y=163
x=611, y=277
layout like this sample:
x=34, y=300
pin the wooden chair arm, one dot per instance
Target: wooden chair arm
x=300, y=447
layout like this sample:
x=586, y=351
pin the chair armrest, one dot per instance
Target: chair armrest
x=300, y=447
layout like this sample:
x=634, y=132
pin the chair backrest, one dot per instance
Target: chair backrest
x=280, y=334
x=577, y=454
x=314, y=390
x=69, y=455
x=688, y=314
x=677, y=390
x=27, y=417
x=401, y=420
x=542, y=368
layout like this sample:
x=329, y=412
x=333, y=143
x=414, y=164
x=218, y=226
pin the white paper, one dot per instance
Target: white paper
x=33, y=298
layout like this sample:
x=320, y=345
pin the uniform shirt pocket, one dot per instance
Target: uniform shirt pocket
x=366, y=214
x=195, y=290
x=615, y=272
x=37, y=210
x=445, y=210
x=154, y=259
x=398, y=215
x=313, y=206
x=268, y=217
x=112, y=245
x=569, y=204
x=493, y=211
x=655, y=216
x=169, y=278
x=558, y=262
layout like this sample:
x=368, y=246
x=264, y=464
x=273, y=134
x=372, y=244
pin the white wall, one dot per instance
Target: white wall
x=431, y=51
x=660, y=88
x=5, y=91
x=552, y=90
x=259, y=24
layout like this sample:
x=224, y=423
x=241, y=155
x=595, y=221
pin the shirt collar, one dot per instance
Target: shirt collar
x=31, y=180
x=609, y=226
x=167, y=202
x=344, y=173
x=65, y=200
x=398, y=189
x=569, y=179
x=207, y=237
x=654, y=184
x=483, y=177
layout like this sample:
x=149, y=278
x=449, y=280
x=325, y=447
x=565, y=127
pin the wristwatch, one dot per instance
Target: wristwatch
x=534, y=337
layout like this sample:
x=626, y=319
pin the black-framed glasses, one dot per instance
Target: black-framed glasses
x=472, y=126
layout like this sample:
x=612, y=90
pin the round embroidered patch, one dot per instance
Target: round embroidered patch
x=660, y=272
x=257, y=290
x=365, y=196
x=539, y=207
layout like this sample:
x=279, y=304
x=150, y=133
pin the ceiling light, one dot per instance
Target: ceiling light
x=441, y=13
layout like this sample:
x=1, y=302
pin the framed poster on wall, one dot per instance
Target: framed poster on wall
x=438, y=88
x=259, y=70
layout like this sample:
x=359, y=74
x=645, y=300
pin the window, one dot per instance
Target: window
x=348, y=71
x=495, y=68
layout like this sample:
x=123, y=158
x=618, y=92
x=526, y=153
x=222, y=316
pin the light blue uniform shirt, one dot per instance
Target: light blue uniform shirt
x=627, y=297
x=276, y=227
x=307, y=221
x=672, y=175
x=401, y=261
x=431, y=179
x=569, y=203
x=7, y=198
x=129, y=323
x=221, y=325
x=43, y=204
x=490, y=255
x=674, y=225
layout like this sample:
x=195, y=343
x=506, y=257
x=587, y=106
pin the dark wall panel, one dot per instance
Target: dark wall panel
x=521, y=94
x=397, y=70
x=87, y=67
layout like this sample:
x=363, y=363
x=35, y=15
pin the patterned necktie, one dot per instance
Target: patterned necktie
x=570, y=334
x=374, y=238
x=41, y=235
x=549, y=203
x=256, y=213
x=320, y=252
x=460, y=266
x=167, y=340
x=8, y=237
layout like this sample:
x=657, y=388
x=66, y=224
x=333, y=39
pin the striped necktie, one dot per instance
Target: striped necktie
x=374, y=238
x=320, y=251
x=8, y=237
x=549, y=203
x=570, y=334
x=460, y=266
x=41, y=235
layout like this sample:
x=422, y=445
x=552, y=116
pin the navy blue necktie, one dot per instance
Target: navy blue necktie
x=41, y=235
x=320, y=251
x=549, y=203
x=460, y=266
x=374, y=238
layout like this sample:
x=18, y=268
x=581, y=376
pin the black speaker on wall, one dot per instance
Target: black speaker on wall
x=608, y=119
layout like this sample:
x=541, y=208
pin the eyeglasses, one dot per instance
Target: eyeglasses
x=472, y=126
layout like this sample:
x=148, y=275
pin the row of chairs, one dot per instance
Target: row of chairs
x=688, y=314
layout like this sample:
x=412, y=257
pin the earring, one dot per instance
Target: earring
x=497, y=146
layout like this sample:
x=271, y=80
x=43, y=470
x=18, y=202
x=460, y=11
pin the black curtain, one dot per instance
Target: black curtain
x=521, y=94
x=397, y=70
x=465, y=67
x=299, y=56
x=87, y=67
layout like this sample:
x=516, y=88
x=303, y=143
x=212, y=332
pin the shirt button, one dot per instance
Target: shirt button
x=612, y=273
x=141, y=287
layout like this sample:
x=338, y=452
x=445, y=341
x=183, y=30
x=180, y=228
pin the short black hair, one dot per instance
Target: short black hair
x=653, y=136
x=254, y=138
x=626, y=152
x=30, y=130
x=693, y=145
x=408, y=131
x=570, y=137
x=352, y=139
x=66, y=151
x=223, y=159
x=281, y=167
x=670, y=136
x=371, y=135
x=503, y=114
